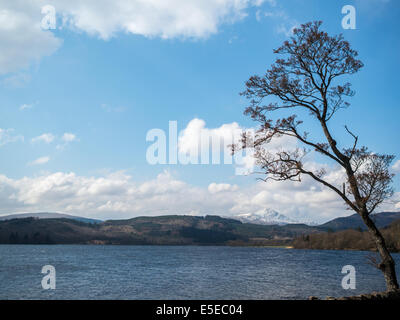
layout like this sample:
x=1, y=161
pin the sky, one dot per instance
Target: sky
x=78, y=102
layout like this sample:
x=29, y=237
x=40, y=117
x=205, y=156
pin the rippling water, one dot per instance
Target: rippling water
x=181, y=272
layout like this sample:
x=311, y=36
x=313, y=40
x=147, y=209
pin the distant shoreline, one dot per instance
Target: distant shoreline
x=181, y=230
x=187, y=245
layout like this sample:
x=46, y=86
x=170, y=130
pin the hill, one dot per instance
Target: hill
x=267, y=217
x=47, y=215
x=53, y=228
x=381, y=219
x=163, y=230
x=350, y=239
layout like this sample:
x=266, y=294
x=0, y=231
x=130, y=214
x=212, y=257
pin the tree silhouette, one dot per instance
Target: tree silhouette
x=307, y=78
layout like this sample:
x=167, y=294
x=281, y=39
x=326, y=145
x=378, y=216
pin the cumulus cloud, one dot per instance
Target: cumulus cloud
x=25, y=42
x=157, y=18
x=199, y=144
x=305, y=201
x=197, y=137
x=69, y=137
x=396, y=200
x=65, y=139
x=396, y=166
x=45, y=137
x=205, y=145
x=118, y=195
x=22, y=38
x=221, y=187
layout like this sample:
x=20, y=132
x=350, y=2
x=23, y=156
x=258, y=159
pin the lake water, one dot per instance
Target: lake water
x=181, y=272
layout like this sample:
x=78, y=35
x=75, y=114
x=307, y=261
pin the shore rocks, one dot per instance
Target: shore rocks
x=392, y=295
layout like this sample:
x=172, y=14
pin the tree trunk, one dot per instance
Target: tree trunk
x=387, y=265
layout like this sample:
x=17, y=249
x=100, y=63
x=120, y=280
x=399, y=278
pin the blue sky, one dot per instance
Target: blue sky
x=93, y=88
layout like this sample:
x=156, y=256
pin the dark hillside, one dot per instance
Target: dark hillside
x=350, y=239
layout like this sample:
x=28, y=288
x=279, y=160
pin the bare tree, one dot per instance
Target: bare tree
x=307, y=77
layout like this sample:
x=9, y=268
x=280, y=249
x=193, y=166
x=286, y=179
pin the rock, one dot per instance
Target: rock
x=393, y=295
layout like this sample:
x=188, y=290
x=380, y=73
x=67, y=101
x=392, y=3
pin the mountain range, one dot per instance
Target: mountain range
x=47, y=215
x=162, y=230
x=269, y=217
x=53, y=228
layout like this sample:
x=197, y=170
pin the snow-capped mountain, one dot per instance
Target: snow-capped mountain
x=268, y=217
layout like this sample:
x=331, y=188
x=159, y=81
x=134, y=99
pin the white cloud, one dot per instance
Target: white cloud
x=193, y=136
x=45, y=137
x=117, y=195
x=24, y=41
x=69, y=137
x=39, y=161
x=199, y=142
x=8, y=136
x=156, y=18
x=66, y=138
x=396, y=166
x=396, y=200
x=221, y=187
